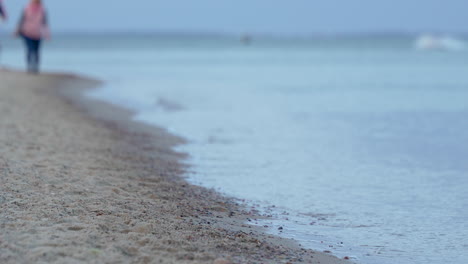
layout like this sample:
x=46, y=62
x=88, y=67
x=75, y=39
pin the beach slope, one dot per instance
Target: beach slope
x=81, y=183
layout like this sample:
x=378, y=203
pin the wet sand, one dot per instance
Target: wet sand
x=82, y=183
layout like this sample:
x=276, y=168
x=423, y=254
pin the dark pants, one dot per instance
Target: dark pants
x=32, y=53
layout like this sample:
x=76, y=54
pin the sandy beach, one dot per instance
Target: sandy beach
x=82, y=183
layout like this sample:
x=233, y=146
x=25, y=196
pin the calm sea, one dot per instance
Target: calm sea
x=355, y=145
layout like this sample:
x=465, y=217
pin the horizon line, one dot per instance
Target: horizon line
x=181, y=33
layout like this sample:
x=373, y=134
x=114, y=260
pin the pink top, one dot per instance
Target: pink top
x=34, y=22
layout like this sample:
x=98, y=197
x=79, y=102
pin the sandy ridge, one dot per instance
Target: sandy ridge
x=80, y=183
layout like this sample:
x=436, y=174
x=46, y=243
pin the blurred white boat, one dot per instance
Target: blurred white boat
x=430, y=42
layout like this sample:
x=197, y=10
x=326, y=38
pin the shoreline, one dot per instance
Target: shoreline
x=84, y=182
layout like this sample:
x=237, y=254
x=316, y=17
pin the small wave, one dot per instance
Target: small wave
x=168, y=105
x=430, y=42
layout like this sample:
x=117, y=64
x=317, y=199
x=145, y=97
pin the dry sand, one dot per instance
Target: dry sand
x=81, y=183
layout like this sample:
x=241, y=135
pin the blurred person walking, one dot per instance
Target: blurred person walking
x=33, y=27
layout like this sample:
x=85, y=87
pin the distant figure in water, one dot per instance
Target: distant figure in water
x=33, y=27
x=246, y=39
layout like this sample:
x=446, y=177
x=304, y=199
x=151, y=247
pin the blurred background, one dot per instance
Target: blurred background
x=297, y=18
x=348, y=116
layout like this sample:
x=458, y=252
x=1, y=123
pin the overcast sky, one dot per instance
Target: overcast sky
x=254, y=16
